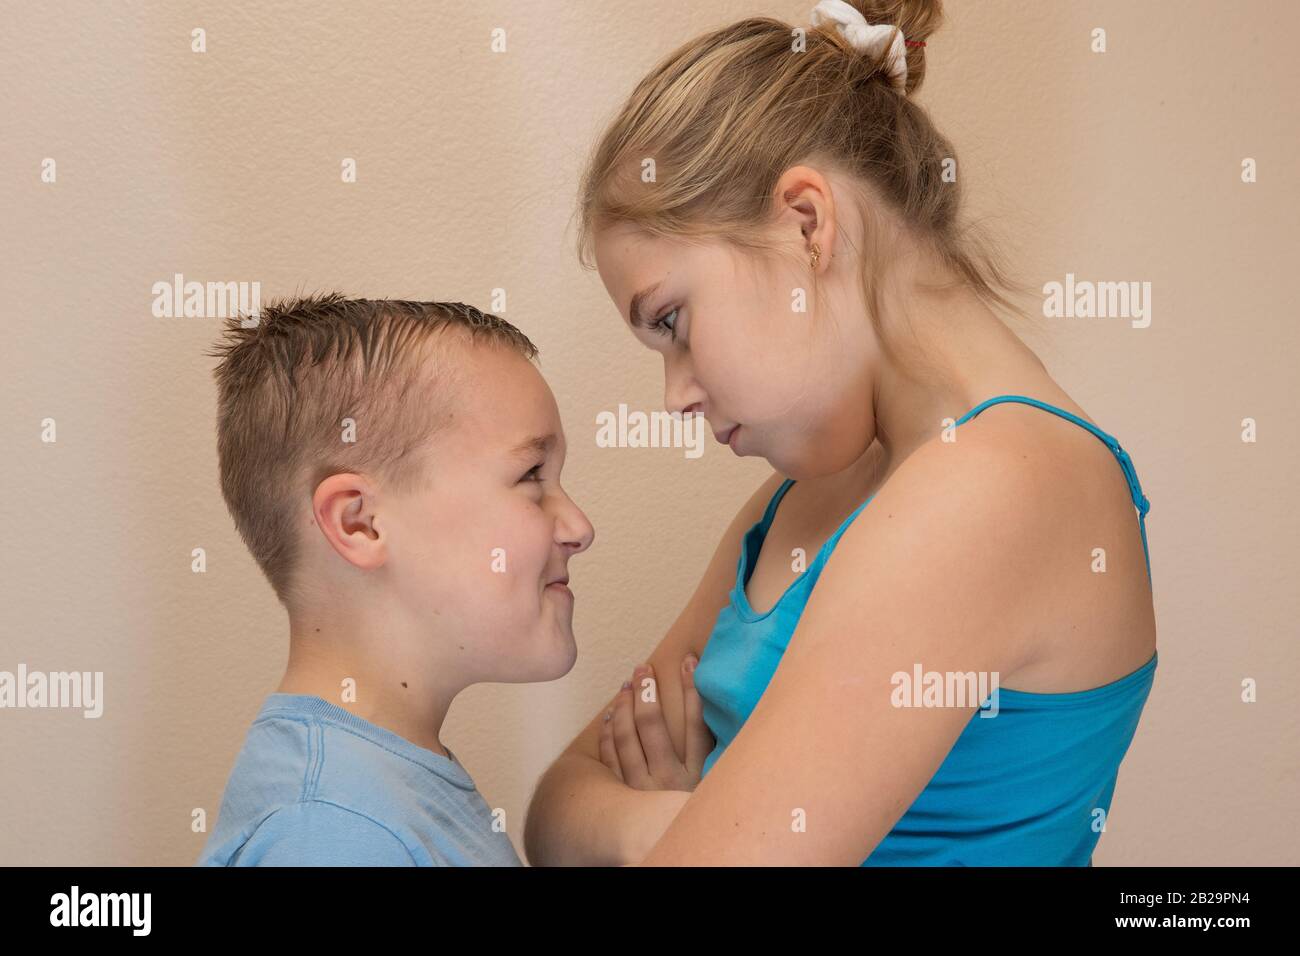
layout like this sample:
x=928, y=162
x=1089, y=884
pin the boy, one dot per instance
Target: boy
x=394, y=468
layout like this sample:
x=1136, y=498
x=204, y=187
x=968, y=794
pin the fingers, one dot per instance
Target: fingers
x=661, y=759
x=699, y=739
x=634, y=739
x=627, y=743
x=608, y=752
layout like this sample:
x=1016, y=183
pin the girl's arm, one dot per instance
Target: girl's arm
x=958, y=565
x=581, y=814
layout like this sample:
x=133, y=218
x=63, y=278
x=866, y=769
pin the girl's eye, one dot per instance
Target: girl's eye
x=663, y=324
x=533, y=473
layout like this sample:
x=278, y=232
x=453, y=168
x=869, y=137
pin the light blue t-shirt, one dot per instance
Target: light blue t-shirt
x=315, y=785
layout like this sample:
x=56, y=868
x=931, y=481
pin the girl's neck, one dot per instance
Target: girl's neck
x=965, y=354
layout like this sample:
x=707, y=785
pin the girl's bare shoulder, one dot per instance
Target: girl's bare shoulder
x=1038, y=508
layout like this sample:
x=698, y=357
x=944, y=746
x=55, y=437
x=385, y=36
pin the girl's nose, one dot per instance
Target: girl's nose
x=681, y=392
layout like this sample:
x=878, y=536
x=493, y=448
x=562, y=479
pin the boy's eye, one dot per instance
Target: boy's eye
x=533, y=473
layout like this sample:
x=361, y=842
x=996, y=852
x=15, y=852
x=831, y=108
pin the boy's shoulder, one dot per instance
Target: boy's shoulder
x=318, y=833
x=314, y=785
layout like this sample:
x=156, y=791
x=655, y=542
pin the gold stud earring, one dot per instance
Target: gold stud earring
x=816, y=255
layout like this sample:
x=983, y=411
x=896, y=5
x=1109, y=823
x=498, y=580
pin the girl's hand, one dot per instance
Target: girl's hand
x=634, y=741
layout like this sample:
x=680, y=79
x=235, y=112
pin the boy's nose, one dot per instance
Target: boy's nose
x=575, y=529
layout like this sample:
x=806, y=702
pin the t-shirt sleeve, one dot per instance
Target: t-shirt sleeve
x=314, y=833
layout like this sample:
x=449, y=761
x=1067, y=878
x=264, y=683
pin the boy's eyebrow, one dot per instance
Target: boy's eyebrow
x=638, y=319
x=538, y=444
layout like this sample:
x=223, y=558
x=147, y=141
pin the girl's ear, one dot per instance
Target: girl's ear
x=803, y=199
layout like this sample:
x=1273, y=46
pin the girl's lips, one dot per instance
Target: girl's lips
x=731, y=438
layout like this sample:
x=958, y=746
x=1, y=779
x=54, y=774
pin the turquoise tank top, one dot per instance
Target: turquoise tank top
x=1019, y=789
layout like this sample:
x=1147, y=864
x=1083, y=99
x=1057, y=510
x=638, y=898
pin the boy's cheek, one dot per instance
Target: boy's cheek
x=500, y=557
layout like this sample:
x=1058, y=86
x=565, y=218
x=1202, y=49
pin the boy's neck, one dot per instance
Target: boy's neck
x=352, y=672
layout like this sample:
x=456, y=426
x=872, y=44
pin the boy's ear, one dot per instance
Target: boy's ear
x=343, y=506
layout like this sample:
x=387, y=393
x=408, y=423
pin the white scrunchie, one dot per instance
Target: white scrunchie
x=853, y=26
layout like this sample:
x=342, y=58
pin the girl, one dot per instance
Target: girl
x=770, y=213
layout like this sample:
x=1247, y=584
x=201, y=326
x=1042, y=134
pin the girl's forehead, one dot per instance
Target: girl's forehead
x=621, y=244
x=626, y=262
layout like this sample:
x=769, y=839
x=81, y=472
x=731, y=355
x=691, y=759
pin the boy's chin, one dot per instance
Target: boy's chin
x=563, y=656
x=563, y=668
x=553, y=655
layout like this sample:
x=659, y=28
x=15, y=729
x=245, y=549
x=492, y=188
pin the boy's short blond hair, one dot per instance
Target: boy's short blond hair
x=288, y=384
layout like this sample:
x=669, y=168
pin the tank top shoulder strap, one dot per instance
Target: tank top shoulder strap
x=1125, y=462
x=824, y=552
x=770, y=512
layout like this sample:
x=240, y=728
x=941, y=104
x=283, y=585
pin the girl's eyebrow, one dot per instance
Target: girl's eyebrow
x=636, y=311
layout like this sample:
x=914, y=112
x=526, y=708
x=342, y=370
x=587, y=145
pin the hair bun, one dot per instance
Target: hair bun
x=904, y=63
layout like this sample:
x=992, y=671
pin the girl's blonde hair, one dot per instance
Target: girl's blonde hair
x=724, y=115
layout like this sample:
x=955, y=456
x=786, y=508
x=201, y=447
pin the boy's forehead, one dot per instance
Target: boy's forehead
x=502, y=400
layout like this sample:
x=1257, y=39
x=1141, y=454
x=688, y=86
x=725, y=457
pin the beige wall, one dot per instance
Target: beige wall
x=225, y=165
